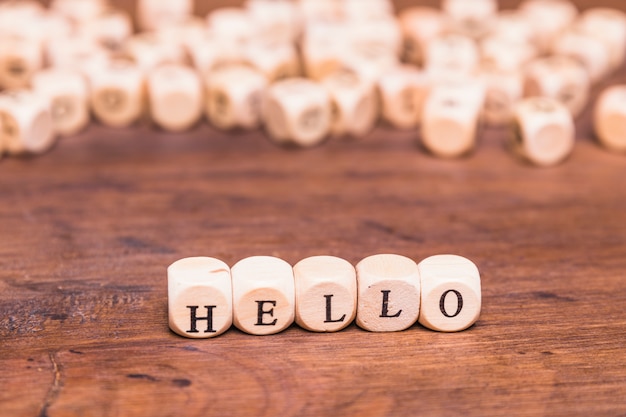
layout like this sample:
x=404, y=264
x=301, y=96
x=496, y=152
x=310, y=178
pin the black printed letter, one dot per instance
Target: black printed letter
x=261, y=312
x=385, y=312
x=442, y=303
x=195, y=318
x=328, y=311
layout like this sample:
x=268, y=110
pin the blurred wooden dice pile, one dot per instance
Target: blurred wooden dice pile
x=307, y=70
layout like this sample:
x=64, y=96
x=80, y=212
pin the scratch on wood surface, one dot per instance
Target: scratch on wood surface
x=55, y=388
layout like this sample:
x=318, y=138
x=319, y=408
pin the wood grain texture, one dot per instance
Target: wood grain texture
x=88, y=230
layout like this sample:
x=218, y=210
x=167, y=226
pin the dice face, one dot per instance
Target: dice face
x=451, y=293
x=388, y=293
x=608, y=26
x=276, y=20
x=592, y=53
x=297, y=111
x=274, y=60
x=110, y=29
x=504, y=54
x=471, y=18
x=503, y=91
x=199, y=297
x=231, y=24
x=117, y=93
x=175, y=96
x=561, y=78
x=452, y=53
x=79, y=10
x=26, y=122
x=20, y=59
x=549, y=18
x=403, y=92
x=543, y=131
x=325, y=293
x=155, y=14
x=263, y=295
x=68, y=96
x=419, y=25
x=610, y=118
x=451, y=119
x=149, y=50
x=354, y=104
x=233, y=97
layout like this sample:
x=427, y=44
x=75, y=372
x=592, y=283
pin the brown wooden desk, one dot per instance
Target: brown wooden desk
x=87, y=231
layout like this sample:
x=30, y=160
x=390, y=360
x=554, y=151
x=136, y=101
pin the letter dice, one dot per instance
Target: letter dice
x=25, y=122
x=451, y=294
x=297, y=111
x=543, y=131
x=199, y=297
x=233, y=97
x=263, y=295
x=175, y=96
x=610, y=118
x=354, y=103
x=402, y=92
x=156, y=14
x=559, y=77
x=117, y=93
x=451, y=118
x=388, y=293
x=20, y=59
x=67, y=92
x=325, y=293
x=609, y=26
x=420, y=25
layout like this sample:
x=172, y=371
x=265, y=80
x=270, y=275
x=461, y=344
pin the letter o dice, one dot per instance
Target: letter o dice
x=451, y=295
x=263, y=295
x=199, y=297
x=388, y=293
x=297, y=111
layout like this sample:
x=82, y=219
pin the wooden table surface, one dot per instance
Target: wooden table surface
x=87, y=231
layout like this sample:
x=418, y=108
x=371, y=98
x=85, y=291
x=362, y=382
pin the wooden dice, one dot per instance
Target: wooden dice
x=559, y=77
x=25, y=122
x=297, y=111
x=451, y=293
x=68, y=95
x=388, y=293
x=503, y=89
x=403, y=91
x=117, y=93
x=263, y=295
x=385, y=293
x=154, y=14
x=451, y=56
x=326, y=293
x=175, y=97
x=610, y=118
x=233, y=97
x=543, y=131
x=200, y=301
x=20, y=59
x=451, y=118
x=472, y=18
x=354, y=104
x=608, y=26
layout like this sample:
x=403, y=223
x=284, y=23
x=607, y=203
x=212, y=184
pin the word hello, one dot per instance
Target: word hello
x=264, y=295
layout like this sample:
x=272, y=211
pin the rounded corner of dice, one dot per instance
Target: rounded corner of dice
x=264, y=295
